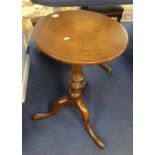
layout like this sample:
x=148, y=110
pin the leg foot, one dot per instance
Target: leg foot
x=106, y=67
x=58, y=104
x=84, y=111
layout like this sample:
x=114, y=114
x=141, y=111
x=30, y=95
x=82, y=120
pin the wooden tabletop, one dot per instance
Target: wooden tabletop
x=80, y=37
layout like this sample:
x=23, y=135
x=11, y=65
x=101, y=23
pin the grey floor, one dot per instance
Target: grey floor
x=109, y=99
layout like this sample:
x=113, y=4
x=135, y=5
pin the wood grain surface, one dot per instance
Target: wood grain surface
x=80, y=37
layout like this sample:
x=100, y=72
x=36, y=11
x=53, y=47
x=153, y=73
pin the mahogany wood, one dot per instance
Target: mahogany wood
x=111, y=12
x=106, y=67
x=79, y=38
x=58, y=104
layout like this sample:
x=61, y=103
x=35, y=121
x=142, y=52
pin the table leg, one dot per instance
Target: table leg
x=85, y=114
x=106, y=67
x=58, y=104
x=76, y=89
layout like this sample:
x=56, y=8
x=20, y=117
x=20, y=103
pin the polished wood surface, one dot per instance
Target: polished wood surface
x=74, y=98
x=80, y=37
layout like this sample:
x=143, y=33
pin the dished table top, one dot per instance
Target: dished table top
x=80, y=37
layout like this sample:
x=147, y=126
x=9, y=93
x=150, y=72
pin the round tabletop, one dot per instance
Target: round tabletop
x=80, y=37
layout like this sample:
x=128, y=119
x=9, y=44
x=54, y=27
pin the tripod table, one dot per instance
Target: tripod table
x=79, y=38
